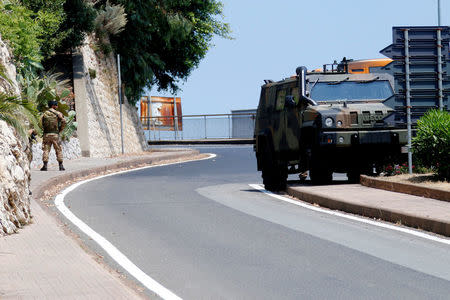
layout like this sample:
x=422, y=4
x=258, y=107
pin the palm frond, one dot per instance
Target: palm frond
x=13, y=111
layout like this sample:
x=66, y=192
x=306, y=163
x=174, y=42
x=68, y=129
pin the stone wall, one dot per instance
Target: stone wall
x=14, y=182
x=101, y=106
x=6, y=61
x=71, y=150
x=14, y=164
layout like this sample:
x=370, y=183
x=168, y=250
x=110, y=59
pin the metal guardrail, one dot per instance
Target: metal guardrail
x=196, y=127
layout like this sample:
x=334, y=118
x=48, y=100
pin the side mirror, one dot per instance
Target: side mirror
x=289, y=101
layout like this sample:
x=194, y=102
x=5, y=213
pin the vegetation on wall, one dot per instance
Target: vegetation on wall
x=160, y=43
x=110, y=20
x=17, y=113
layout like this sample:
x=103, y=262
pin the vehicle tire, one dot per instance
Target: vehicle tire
x=274, y=175
x=319, y=172
x=353, y=176
x=274, y=172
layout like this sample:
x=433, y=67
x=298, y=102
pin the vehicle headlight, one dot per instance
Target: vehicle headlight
x=329, y=122
x=341, y=140
x=339, y=123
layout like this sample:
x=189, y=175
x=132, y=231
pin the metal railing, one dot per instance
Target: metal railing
x=197, y=127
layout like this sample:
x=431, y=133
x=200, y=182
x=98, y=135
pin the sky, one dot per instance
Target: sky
x=272, y=38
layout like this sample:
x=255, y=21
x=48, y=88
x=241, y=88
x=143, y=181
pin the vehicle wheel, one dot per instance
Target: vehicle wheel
x=353, y=176
x=319, y=172
x=274, y=176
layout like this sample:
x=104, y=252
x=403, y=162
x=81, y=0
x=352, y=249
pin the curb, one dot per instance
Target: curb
x=59, y=179
x=405, y=188
x=428, y=224
x=204, y=142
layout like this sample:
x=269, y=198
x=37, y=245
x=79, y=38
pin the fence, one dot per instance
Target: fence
x=195, y=127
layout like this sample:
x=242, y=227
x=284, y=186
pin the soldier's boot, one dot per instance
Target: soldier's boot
x=61, y=167
x=44, y=167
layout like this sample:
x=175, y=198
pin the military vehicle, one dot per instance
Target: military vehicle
x=325, y=122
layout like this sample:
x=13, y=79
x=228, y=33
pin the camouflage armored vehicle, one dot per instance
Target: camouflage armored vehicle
x=325, y=122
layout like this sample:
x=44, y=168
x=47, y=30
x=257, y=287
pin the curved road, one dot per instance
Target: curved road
x=201, y=231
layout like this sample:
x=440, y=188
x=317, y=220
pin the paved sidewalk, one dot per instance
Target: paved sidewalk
x=43, y=262
x=414, y=211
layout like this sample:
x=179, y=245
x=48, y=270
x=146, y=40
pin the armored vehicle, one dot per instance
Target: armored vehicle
x=325, y=122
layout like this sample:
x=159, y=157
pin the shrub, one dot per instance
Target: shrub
x=431, y=146
x=71, y=126
x=92, y=73
x=17, y=113
x=19, y=26
x=111, y=20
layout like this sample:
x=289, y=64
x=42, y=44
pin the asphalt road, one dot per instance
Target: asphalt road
x=202, y=232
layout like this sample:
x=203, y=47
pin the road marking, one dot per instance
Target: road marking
x=115, y=254
x=351, y=217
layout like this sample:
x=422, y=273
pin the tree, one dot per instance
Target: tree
x=164, y=40
x=80, y=16
x=50, y=15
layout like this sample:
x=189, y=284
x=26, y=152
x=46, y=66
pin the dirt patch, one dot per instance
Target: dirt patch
x=426, y=180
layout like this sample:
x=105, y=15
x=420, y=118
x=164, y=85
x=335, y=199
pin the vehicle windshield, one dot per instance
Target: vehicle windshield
x=351, y=90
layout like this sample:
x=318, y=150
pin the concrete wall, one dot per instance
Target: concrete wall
x=97, y=106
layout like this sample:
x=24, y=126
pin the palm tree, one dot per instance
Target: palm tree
x=14, y=111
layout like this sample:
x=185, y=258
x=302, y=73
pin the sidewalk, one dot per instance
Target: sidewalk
x=413, y=211
x=43, y=262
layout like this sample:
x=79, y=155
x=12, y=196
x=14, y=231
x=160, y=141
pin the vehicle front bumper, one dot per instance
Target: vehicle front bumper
x=363, y=137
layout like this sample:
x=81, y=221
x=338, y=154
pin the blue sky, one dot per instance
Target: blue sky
x=272, y=38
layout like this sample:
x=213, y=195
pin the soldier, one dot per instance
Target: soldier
x=53, y=123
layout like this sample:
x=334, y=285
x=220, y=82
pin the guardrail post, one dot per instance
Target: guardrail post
x=229, y=126
x=205, y=127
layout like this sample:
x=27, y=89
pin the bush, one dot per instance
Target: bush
x=431, y=146
x=20, y=27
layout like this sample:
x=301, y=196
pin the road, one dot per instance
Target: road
x=201, y=231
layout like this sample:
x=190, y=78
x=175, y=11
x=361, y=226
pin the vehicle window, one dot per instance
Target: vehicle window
x=352, y=90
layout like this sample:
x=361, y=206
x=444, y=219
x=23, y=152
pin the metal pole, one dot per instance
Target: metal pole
x=120, y=100
x=175, y=116
x=229, y=126
x=205, y=127
x=439, y=12
x=439, y=57
x=408, y=100
x=149, y=114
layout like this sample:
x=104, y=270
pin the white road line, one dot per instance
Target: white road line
x=115, y=254
x=351, y=217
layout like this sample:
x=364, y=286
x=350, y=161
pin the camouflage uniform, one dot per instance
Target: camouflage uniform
x=53, y=123
x=29, y=148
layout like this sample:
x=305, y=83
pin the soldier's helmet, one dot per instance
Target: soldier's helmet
x=51, y=103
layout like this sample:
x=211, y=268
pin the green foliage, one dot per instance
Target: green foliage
x=39, y=90
x=92, y=73
x=431, y=145
x=164, y=40
x=80, y=16
x=22, y=29
x=15, y=111
x=71, y=126
x=50, y=15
